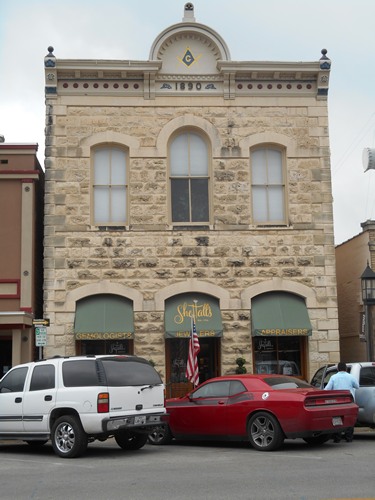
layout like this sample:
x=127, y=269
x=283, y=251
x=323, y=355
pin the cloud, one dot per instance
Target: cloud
x=288, y=30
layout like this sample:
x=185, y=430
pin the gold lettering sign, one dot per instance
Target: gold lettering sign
x=200, y=312
x=283, y=331
x=202, y=333
x=104, y=336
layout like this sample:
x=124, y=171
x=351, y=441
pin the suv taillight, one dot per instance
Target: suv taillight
x=103, y=402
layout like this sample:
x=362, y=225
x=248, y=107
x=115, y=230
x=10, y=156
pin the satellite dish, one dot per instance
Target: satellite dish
x=368, y=159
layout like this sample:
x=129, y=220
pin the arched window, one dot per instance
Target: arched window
x=110, y=186
x=268, y=186
x=189, y=179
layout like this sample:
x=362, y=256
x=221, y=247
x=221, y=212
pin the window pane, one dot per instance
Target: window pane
x=118, y=167
x=198, y=155
x=14, y=381
x=101, y=166
x=258, y=167
x=180, y=200
x=118, y=208
x=82, y=373
x=101, y=205
x=43, y=378
x=109, y=172
x=179, y=156
x=199, y=200
x=276, y=203
x=259, y=204
x=123, y=372
x=275, y=173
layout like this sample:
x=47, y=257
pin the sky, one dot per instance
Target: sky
x=266, y=30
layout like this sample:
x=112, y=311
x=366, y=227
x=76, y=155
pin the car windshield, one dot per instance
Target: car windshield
x=279, y=383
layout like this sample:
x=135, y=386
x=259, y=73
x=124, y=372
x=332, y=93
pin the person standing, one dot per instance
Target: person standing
x=343, y=380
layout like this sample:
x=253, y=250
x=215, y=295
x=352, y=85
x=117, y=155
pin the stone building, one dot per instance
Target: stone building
x=21, y=251
x=190, y=184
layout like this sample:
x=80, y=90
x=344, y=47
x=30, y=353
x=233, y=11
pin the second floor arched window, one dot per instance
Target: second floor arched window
x=110, y=186
x=189, y=179
x=268, y=186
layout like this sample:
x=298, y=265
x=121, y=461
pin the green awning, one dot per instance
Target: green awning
x=104, y=317
x=279, y=313
x=180, y=309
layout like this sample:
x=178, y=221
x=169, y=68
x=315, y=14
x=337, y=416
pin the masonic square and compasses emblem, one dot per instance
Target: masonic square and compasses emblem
x=188, y=58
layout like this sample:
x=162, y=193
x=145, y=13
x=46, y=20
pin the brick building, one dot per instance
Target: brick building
x=187, y=184
x=352, y=258
x=21, y=251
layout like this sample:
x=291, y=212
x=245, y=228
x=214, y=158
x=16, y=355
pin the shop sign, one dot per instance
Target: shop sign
x=181, y=310
x=104, y=335
x=284, y=331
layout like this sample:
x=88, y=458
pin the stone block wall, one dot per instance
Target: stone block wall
x=150, y=255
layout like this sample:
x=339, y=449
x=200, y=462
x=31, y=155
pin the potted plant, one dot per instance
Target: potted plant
x=240, y=365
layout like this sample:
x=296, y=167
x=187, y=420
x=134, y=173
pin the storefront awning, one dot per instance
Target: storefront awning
x=180, y=309
x=279, y=313
x=104, y=317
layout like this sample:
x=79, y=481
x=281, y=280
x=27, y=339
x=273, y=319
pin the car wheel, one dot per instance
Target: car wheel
x=37, y=443
x=130, y=440
x=160, y=435
x=317, y=440
x=264, y=432
x=69, y=440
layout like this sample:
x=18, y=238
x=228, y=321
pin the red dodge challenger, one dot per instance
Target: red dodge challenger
x=263, y=409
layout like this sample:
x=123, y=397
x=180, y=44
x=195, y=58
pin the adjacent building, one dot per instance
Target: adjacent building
x=21, y=251
x=190, y=186
x=352, y=258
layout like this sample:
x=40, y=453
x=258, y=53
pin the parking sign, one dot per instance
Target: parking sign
x=40, y=336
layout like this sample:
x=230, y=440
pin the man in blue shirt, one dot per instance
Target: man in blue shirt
x=343, y=380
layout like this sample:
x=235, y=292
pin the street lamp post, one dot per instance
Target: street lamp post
x=368, y=297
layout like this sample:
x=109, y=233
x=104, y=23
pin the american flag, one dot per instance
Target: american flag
x=192, y=370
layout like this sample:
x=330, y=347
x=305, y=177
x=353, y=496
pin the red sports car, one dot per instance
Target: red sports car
x=264, y=409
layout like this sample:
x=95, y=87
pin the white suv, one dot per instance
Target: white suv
x=75, y=400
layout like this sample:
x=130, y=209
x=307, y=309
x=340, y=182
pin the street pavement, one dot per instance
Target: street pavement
x=186, y=471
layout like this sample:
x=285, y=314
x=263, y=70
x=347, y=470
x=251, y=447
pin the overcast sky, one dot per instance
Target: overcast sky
x=266, y=30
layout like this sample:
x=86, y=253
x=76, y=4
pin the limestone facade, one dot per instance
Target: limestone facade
x=237, y=106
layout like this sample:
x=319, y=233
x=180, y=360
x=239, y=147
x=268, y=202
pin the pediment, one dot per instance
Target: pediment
x=189, y=49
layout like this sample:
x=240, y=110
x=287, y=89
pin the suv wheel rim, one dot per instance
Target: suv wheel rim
x=64, y=437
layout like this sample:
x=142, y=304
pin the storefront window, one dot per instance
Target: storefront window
x=106, y=347
x=178, y=355
x=280, y=355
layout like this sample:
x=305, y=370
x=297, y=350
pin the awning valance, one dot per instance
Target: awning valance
x=180, y=309
x=104, y=317
x=279, y=313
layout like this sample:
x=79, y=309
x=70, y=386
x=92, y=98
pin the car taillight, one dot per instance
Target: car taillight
x=328, y=400
x=103, y=402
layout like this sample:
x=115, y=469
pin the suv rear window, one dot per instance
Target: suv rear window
x=129, y=371
x=81, y=373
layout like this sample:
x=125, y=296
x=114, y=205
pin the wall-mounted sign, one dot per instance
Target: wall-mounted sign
x=40, y=336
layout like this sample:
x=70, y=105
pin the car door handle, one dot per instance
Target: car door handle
x=48, y=398
x=18, y=400
x=221, y=402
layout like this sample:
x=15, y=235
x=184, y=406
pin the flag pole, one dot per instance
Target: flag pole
x=192, y=368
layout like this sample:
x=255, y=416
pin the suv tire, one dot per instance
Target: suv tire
x=130, y=440
x=68, y=437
